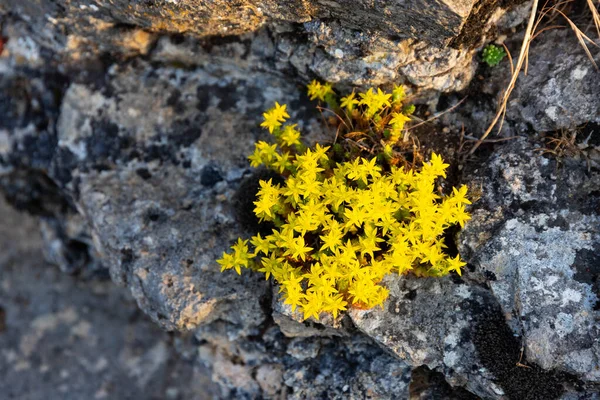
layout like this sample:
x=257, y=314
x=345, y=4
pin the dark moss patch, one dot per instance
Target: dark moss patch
x=33, y=191
x=174, y=101
x=489, y=275
x=210, y=176
x=559, y=222
x=106, y=144
x=203, y=95
x=143, y=173
x=25, y=101
x=35, y=150
x=127, y=256
x=159, y=152
x=224, y=96
x=77, y=255
x=2, y=320
x=470, y=34
x=64, y=164
x=500, y=351
x=411, y=295
x=185, y=133
x=243, y=202
x=209, y=42
x=587, y=269
x=426, y=383
x=155, y=215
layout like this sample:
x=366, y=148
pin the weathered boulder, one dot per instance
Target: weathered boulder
x=154, y=163
x=434, y=21
x=64, y=337
x=535, y=240
x=126, y=126
x=345, y=42
x=560, y=94
x=272, y=364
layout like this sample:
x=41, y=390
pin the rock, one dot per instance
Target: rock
x=125, y=126
x=354, y=58
x=430, y=385
x=558, y=95
x=63, y=337
x=312, y=367
x=534, y=240
x=430, y=322
x=162, y=234
x=436, y=22
x=377, y=45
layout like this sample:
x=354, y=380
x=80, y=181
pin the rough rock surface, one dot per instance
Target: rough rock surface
x=365, y=44
x=560, y=94
x=535, y=240
x=67, y=338
x=125, y=128
x=160, y=200
x=430, y=20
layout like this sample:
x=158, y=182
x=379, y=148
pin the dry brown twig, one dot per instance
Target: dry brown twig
x=595, y=15
x=522, y=55
x=531, y=33
x=438, y=114
x=582, y=37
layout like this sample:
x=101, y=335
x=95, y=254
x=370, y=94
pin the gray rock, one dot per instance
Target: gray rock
x=138, y=164
x=70, y=338
x=312, y=367
x=534, y=239
x=430, y=322
x=561, y=94
x=436, y=22
x=160, y=202
x=363, y=45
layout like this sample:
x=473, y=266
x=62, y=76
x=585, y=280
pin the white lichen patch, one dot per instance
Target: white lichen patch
x=579, y=73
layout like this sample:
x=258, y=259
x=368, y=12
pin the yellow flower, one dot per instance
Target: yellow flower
x=340, y=226
x=274, y=117
x=398, y=120
x=455, y=264
x=290, y=136
x=349, y=102
x=398, y=94
x=316, y=90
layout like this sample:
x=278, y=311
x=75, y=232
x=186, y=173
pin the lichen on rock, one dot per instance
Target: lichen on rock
x=125, y=126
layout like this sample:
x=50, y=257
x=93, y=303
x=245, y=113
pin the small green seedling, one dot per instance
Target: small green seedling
x=493, y=54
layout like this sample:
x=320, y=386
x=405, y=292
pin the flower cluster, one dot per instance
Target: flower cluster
x=380, y=113
x=341, y=226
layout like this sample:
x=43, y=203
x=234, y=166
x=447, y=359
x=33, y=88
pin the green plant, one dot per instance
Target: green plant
x=493, y=54
x=343, y=220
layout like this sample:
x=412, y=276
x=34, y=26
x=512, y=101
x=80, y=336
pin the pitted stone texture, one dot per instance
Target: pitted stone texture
x=437, y=22
x=535, y=264
x=306, y=40
x=535, y=239
x=353, y=58
x=561, y=94
x=66, y=337
x=313, y=367
x=151, y=175
x=153, y=158
x=430, y=322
